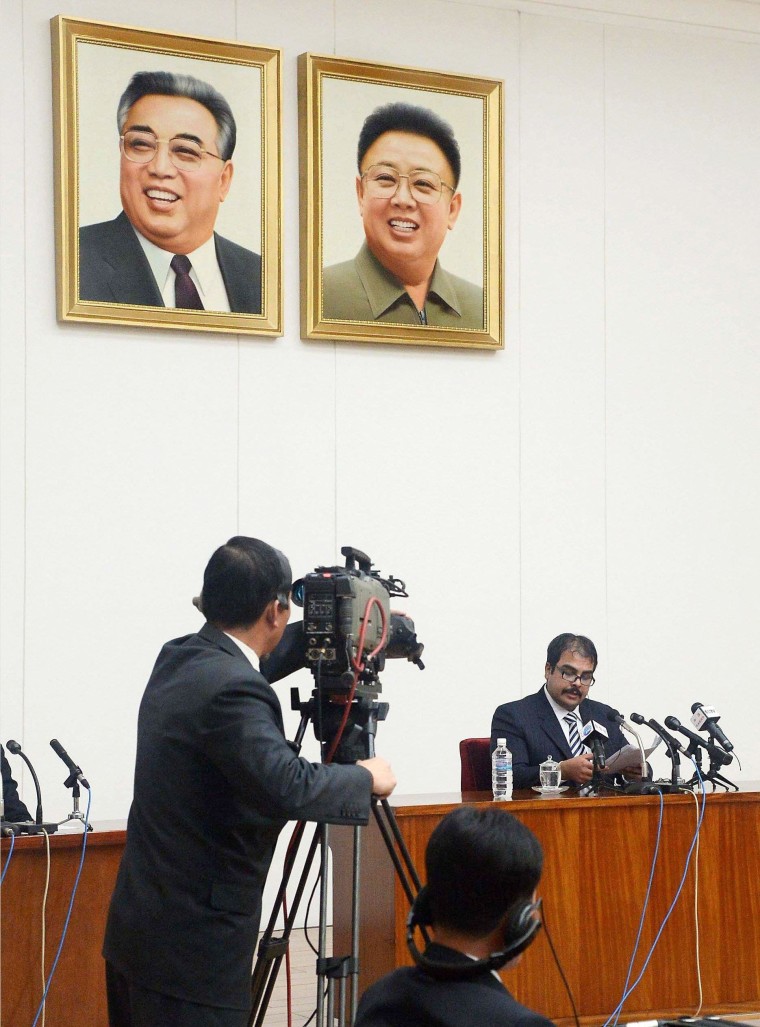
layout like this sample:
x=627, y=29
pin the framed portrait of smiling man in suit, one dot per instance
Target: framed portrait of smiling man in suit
x=168, y=180
x=401, y=206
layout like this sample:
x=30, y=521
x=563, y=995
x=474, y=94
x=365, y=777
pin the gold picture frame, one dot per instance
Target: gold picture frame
x=92, y=64
x=344, y=292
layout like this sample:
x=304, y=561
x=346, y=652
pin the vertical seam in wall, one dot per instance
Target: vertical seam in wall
x=335, y=355
x=26, y=397
x=604, y=334
x=519, y=348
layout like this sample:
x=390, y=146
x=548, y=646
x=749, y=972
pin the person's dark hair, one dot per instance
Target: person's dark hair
x=167, y=83
x=479, y=863
x=578, y=644
x=241, y=579
x=405, y=117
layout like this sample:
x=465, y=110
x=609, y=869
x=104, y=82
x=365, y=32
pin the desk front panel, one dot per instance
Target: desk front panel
x=77, y=993
x=598, y=854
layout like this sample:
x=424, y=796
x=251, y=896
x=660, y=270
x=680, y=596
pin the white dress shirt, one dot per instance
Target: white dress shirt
x=250, y=654
x=561, y=713
x=205, y=273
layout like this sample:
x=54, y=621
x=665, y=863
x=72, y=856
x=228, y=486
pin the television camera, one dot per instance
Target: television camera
x=349, y=631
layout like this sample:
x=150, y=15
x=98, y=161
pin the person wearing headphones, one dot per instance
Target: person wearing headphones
x=483, y=867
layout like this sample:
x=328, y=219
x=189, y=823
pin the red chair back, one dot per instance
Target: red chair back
x=475, y=758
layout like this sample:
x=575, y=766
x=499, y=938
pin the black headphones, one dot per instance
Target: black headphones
x=520, y=929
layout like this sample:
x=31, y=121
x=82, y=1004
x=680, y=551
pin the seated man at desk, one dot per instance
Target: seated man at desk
x=481, y=921
x=549, y=722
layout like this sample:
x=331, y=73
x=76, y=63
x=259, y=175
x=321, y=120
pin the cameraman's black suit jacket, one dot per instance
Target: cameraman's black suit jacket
x=533, y=732
x=215, y=782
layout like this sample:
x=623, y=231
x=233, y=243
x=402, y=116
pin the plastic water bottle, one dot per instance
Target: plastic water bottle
x=501, y=770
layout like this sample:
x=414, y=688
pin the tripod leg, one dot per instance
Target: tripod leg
x=355, y=911
x=322, y=960
x=405, y=869
x=271, y=950
x=337, y=968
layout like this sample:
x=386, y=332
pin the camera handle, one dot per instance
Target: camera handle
x=351, y=554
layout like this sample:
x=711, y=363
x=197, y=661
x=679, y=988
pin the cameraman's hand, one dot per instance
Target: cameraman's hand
x=383, y=778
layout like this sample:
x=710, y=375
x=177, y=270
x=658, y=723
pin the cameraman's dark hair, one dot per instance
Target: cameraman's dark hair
x=241, y=578
x=578, y=644
x=479, y=863
x=167, y=83
x=405, y=117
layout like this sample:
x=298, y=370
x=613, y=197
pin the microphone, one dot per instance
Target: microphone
x=594, y=735
x=76, y=772
x=12, y=746
x=704, y=718
x=716, y=755
x=672, y=743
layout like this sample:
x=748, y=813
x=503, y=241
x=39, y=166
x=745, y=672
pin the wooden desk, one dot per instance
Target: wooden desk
x=598, y=854
x=77, y=993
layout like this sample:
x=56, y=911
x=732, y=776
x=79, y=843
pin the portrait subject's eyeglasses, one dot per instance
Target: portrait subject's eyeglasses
x=382, y=182
x=185, y=154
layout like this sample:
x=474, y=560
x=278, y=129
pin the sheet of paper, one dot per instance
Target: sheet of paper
x=628, y=756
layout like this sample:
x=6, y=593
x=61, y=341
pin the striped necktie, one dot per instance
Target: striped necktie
x=576, y=745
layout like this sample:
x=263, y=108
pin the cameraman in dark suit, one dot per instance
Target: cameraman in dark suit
x=537, y=726
x=483, y=867
x=215, y=783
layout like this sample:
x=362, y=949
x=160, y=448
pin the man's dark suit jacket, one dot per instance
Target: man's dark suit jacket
x=533, y=732
x=113, y=268
x=15, y=810
x=409, y=997
x=215, y=782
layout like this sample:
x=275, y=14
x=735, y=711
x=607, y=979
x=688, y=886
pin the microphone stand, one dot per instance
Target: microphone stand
x=718, y=758
x=675, y=773
x=597, y=779
x=714, y=776
x=72, y=782
x=38, y=827
x=671, y=745
x=632, y=731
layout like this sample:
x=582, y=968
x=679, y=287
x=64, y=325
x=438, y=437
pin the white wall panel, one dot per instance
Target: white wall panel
x=683, y=373
x=12, y=386
x=562, y=386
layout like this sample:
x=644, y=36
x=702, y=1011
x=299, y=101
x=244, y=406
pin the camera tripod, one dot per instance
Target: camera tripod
x=337, y=976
